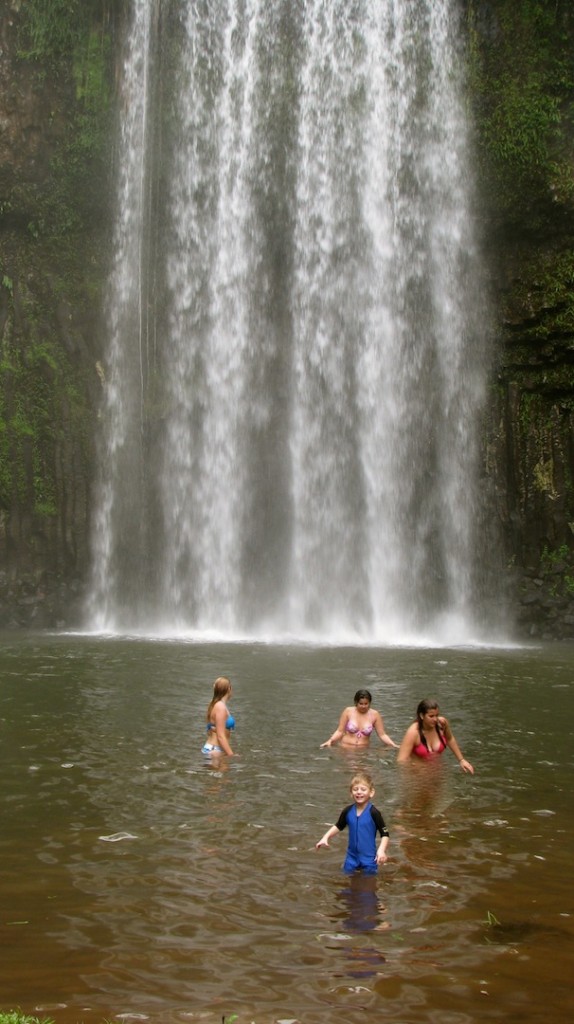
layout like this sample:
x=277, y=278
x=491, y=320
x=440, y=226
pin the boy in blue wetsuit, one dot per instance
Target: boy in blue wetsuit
x=364, y=821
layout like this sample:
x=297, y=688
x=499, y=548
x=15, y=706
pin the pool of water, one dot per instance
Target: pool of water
x=140, y=882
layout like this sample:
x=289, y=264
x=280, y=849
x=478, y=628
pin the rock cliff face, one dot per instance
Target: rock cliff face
x=522, y=91
x=57, y=74
x=53, y=211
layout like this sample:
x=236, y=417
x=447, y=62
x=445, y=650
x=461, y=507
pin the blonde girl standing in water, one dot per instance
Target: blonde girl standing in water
x=220, y=721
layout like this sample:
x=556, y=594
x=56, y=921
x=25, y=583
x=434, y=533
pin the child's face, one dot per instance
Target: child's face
x=361, y=793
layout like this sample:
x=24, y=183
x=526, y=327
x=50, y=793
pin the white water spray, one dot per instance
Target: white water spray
x=305, y=435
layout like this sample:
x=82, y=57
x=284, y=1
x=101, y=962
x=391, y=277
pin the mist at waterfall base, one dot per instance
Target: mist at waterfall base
x=298, y=331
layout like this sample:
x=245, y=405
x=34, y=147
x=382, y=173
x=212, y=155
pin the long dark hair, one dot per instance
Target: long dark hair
x=422, y=708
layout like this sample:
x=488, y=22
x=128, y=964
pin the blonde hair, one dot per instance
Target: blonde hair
x=221, y=688
x=363, y=777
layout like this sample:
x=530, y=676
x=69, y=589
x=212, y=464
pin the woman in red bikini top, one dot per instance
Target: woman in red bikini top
x=428, y=736
x=358, y=722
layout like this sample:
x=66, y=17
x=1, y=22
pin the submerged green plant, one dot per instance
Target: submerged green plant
x=491, y=919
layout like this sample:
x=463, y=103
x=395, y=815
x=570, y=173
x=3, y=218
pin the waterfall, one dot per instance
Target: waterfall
x=118, y=527
x=298, y=331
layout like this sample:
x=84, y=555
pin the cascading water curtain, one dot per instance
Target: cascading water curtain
x=299, y=455
x=118, y=504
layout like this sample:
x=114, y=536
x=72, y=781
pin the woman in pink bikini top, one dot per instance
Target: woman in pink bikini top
x=357, y=723
x=430, y=735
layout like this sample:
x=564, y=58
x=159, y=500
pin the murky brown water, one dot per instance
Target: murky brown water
x=139, y=882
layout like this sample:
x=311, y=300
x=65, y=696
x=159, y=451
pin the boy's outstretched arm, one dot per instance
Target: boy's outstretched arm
x=324, y=841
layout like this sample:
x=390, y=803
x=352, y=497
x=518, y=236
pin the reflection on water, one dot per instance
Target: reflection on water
x=139, y=879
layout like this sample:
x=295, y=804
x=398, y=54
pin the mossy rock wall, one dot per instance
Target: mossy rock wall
x=55, y=110
x=522, y=94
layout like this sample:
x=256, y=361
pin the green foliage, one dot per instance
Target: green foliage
x=552, y=558
x=51, y=28
x=523, y=125
x=39, y=410
x=71, y=37
x=569, y=585
x=522, y=81
x=45, y=410
x=560, y=562
x=540, y=352
x=55, y=257
x=91, y=57
x=72, y=199
x=15, y=1017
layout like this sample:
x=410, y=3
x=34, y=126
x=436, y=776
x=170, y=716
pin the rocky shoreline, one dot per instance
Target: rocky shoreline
x=544, y=602
x=51, y=602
